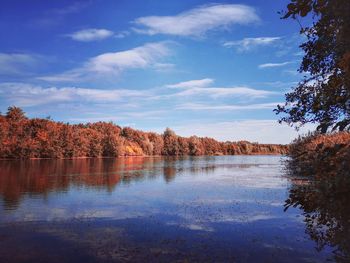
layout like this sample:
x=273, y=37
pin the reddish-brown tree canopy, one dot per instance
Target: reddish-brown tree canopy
x=21, y=137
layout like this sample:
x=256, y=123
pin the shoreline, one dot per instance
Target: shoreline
x=138, y=156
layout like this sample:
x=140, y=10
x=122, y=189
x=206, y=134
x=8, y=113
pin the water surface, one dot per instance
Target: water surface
x=196, y=209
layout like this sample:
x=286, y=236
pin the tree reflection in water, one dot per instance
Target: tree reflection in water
x=40, y=177
x=324, y=200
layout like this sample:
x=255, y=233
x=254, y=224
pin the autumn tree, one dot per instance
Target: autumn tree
x=195, y=146
x=81, y=141
x=323, y=96
x=245, y=147
x=15, y=114
x=66, y=138
x=171, y=145
x=183, y=145
x=16, y=120
x=4, y=140
x=95, y=147
x=138, y=137
x=211, y=146
x=112, y=143
x=157, y=142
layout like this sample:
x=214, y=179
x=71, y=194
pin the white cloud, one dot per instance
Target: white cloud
x=122, y=115
x=263, y=131
x=94, y=34
x=192, y=83
x=223, y=92
x=247, y=44
x=197, y=21
x=163, y=67
x=68, y=76
x=22, y=94
x=91, y=34
x=17, y=63
x=202, y=87
x=225, y=107
x=274, y=65
x=113, y=63
x=279, y=84
x=121, y=34
x=139, y=57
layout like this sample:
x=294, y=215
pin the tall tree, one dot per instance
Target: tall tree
x=171, y=145
x=323, y=96
x=15, y=114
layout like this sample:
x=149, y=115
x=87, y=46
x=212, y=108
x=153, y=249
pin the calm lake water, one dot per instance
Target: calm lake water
x=152, y=209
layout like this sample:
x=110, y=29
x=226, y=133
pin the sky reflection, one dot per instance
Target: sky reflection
x=233, y=199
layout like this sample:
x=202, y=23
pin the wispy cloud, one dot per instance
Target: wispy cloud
x=223, y=92
x=203, y=87
x=56, y=16
x=197, y=21
x=163, y=67
x=121, y=34
x=224, y=107
x=91, y=34
x=73, y=75
x=23, y=94
x=96, y=34
x=292, y=72
x=112, y=64
x=17, y=63
x=279, y=84
x=289, y=45
x=123, y=115
x=247, y=44
x=274, y=65
x=192, y=83
x=263, y=131
x=139, y=57
x=70, y=9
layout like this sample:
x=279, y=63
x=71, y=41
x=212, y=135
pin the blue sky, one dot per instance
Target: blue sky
x=213, y=69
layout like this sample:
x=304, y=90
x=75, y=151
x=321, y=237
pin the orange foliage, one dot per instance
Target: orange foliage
x=321, y=154
x=25, y=138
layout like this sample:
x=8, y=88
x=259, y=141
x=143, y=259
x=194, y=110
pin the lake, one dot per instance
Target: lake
x=152, y=209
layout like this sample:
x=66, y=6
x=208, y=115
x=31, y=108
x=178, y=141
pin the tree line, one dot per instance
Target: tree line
x=23, y=138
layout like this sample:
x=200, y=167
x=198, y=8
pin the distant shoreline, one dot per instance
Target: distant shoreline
x=138, y=156
x=32, y=138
